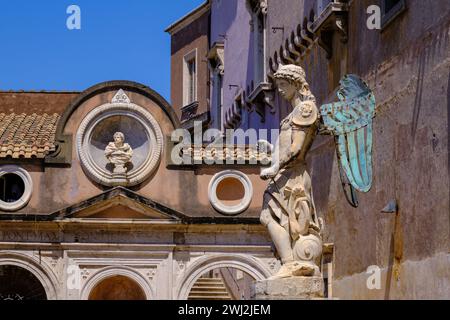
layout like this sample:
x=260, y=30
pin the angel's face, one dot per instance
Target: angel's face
x=286, y=89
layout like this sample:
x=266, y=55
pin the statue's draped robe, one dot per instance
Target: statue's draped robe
x=118, y=155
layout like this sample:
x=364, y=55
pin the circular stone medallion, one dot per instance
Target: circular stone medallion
x=141, y=132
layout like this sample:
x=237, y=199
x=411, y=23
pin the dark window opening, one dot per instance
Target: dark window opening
x=12, y=188
x=325, y=282
x=219, y=101
x=391, y=9
x=19, y=284
x=389, y=5
x=192, y=81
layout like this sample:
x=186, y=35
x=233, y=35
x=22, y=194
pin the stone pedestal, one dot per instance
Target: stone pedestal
x=119, y=180
x=297, y=288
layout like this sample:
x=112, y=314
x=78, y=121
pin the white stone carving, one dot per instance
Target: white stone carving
x=28, y=183
x=85, y=273
x=120, y=106
x=288, y=211
x=218, y=205
x=119, y=154
x=151, y=273
x=121, y=97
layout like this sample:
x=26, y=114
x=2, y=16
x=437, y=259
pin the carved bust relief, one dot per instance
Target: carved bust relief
x=119, y=143
x=119, y=153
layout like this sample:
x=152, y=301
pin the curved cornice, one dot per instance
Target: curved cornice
x=62, y=155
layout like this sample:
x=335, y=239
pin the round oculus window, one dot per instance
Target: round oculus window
x=15, y=188
x=230, y=192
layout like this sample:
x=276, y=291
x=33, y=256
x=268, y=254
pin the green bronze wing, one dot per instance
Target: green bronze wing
x=350, y=121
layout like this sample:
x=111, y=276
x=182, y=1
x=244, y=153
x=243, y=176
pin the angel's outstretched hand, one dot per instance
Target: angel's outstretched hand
x=264, y=145
x=268, y=173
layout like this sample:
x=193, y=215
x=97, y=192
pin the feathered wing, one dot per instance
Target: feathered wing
x=351, y=122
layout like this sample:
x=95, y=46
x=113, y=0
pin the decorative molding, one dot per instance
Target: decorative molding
x=233, y=116
x=112, y=271
x=259, y=6
x=121, y=97
x=63, y=153
x=151, y=273
x=41, y=271
x=189, y=18
x=189, y=112
x=334, y=19
x=85, y=274
x=218, y=205
x=262, y=96
x=216, y=58
x=319, y=31
x=190, y=124
x=254, y=267
x=223, y=154
x=28, y=184
x=145, y=118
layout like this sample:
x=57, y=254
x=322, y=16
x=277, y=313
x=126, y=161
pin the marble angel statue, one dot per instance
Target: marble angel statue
x=288, y=210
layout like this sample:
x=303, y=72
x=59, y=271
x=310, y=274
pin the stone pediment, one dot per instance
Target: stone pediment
x=120, y=204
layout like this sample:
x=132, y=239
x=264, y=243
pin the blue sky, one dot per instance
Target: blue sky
x=118, y=40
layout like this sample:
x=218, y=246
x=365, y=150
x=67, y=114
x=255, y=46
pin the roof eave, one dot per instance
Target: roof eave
x=191, y=16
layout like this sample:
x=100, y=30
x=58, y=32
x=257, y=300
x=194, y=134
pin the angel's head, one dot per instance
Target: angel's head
x=291, y=79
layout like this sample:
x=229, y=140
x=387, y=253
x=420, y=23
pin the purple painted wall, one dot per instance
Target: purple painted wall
x=407, y=65
x=230, y=21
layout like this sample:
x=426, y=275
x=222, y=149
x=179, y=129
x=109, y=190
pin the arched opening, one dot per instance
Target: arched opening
x=117, y=288
x=17, y=283
x=225, y=283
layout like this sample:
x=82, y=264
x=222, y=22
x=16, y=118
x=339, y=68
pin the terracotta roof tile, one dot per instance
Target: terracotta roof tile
x=27, y=136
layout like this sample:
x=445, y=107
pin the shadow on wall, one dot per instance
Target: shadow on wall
x=322, y=166
x=228, y=12
x=395, y=256
x=419, y=92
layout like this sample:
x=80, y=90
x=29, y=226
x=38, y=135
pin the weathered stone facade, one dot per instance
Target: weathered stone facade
x=162, y=234
x=165, y=232
x=406, y=63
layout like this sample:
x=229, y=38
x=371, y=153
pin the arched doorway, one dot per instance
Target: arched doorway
x=223, y=284
x=251, y=266
x=117, y=288
x=17, y=283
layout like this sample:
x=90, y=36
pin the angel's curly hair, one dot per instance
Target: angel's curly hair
x=292, y=73
x=297, y=76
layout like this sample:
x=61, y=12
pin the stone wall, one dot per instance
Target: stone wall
x=407, y=65
x=195, y=36
x=70, y=259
